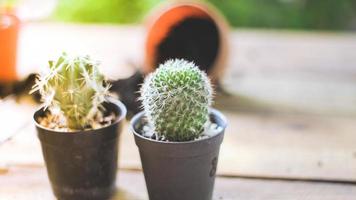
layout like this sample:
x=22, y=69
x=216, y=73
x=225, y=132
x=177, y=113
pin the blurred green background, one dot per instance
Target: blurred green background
x=291, y=14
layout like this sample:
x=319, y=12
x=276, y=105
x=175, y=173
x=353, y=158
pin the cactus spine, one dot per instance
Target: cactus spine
x=176, y=100
x=75, y=87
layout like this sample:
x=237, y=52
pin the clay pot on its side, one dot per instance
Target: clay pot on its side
x=193, y=31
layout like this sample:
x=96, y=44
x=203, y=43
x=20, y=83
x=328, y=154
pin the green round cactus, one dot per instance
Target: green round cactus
x=176, y=100
x=75, y=87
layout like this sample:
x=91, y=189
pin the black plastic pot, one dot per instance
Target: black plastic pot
x=179, y=170
x=83, y=164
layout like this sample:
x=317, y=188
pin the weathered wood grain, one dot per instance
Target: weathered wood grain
x=31, y=183
x=13, y=117
x=309, y=72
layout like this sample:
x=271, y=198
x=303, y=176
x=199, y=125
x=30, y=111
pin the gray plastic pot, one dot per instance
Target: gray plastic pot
x=83, y=164
x=179, y=170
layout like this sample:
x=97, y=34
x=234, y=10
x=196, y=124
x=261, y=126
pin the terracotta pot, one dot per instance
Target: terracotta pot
x=167, y=24
x=9, y=28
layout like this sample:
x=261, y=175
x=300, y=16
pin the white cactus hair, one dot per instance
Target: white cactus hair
x=176, y=100
x=75, y=86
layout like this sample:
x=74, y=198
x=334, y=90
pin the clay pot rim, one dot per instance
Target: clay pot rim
x=206, y=7
x=213, y=13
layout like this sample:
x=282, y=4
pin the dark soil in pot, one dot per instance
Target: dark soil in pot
x=179, y=170
x=82, y=164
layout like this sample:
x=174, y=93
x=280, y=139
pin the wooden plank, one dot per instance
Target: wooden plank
x=32, y=183
x=309, y=72
x=13, y=117
x=290, y=146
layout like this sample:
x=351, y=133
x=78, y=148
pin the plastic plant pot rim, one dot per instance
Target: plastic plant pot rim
x=212, y=112
x=122, y=115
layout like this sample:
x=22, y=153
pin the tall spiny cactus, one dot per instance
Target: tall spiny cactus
x=176, y=98
x=76, y=87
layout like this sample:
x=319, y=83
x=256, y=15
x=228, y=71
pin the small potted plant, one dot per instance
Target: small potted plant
x=78, y=128
x=178, y=134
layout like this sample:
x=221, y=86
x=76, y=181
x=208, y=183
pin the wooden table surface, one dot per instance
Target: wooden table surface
x=288, y=137
x=30, y=182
